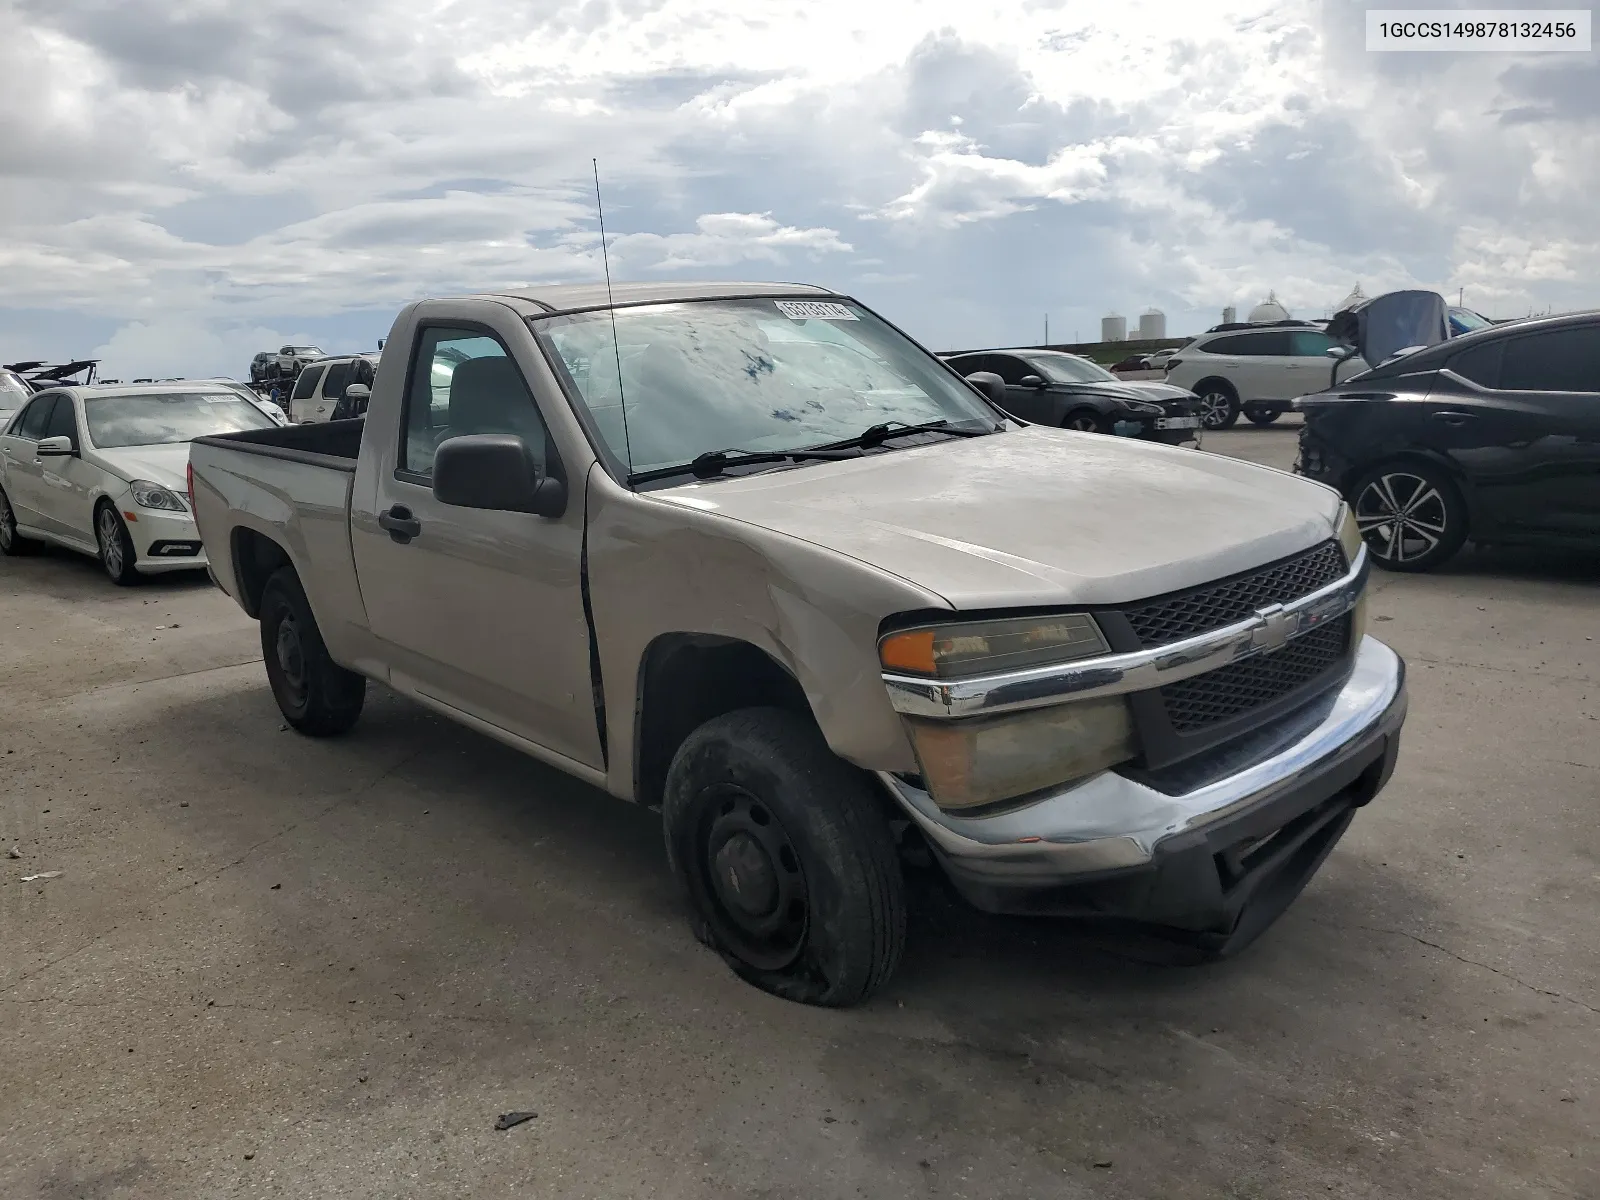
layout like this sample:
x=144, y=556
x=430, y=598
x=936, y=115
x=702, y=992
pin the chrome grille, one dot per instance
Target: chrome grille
x=1185, y=614
x=1237, y=688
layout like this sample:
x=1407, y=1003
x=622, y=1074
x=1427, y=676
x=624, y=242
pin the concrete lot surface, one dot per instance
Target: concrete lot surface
x=278, y=967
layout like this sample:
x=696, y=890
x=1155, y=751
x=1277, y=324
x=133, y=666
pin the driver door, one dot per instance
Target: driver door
x=481, y=611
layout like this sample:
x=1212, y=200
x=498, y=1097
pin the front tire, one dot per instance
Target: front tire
x=1411, y=515
x=1085, y=420
x=12, y=543
x=1264, y=416
x=316, y=695
x=117, y=554
x=1219, y=404
x=788, y=861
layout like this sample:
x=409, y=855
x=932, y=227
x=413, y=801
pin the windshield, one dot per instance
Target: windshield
x=162, y=418
x=13, y=393
x=306, y=350
x=757, y=375
x=1068, y=368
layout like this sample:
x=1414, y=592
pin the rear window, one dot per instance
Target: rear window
x=1562, y=360
x=307, y=383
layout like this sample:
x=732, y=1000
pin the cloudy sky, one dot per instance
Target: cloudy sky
x=187, y=181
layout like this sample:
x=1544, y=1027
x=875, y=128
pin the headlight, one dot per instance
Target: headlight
x=1143, y=406
x=958, y=651
x=982, y=760
x=153, y=495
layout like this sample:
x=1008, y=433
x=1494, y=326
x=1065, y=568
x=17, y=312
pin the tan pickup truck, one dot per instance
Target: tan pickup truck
x=748, y=554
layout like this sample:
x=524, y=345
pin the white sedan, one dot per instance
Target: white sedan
x=104, y=470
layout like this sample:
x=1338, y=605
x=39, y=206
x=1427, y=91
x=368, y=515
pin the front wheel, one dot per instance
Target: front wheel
x=1264, y=416
x=789, y=863
x=315, y=694
x=1411, y=515
x=1086, y=420
x=117, y=554
x=12, y=543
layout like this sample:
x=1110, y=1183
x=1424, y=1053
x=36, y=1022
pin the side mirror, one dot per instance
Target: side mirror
x=495, y=471
x=990, y=384
x=56, y=447
x=1030, y=381
x=1339, y=352
x=358, y=393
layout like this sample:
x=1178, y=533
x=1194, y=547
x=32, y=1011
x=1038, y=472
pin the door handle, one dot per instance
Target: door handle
x=402, y=526
x=1452, y=418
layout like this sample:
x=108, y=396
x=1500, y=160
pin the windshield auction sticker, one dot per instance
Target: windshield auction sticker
x=1437, y=29
x=814, y=310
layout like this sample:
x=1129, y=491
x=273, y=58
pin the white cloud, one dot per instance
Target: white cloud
x=968, y=164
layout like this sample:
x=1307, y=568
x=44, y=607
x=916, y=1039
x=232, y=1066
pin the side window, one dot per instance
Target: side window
x=1480, y=364
x=1562, y=360
x=306, y=385
x=1012, y=370
x=338, y=376
x=1234, y=344
x=463, y=381
x=966, y=364
x=63, y=421
x=36, y=417
x=1274, y=343
x=1308, y=343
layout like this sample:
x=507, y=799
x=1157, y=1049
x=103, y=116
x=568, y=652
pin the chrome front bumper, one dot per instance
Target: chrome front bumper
x=1338, y=750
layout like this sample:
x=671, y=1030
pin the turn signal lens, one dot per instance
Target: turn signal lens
x=1349, y=534
x=959, y=651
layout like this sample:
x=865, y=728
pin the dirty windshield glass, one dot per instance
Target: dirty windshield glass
x=757, y=375
x=159, y=418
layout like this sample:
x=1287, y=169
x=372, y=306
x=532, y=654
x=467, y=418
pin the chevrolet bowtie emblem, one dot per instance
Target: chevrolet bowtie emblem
x=1274, y=631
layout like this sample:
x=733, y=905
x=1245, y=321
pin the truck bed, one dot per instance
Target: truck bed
x=333, y=444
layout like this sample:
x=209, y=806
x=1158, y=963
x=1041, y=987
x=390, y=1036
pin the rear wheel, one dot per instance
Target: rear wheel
x=1264, y=416
x=315, y=694
x=1086, y=420
x=1411, y=515
x=787, y=858
x=117, y=554
x=12, y=543
x=1219, y=404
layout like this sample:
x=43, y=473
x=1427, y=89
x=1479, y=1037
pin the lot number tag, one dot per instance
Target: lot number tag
x=814, y=310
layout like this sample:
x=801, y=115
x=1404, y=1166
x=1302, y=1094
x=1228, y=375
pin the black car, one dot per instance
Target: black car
x=1493, y=436
x=1051, y=387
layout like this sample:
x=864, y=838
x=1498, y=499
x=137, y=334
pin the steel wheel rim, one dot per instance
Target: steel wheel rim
x=1214, y=408
x=1402, y=517
x=291, y=656
x=110, y=542
x=752, y=878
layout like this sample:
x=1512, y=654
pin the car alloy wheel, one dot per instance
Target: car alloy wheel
x=1403, y=517
x=8, y=525
x=110, y=535
x=291, y=659
x=1084, y=423
x=1215, y=408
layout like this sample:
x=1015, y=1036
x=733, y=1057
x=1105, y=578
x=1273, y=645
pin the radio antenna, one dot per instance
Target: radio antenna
x=616, y=346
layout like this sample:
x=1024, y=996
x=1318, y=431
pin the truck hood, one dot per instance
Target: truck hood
x=1036, y=516
x=167, y=465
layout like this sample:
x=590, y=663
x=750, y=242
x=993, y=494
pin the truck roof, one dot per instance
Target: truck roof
x=575, y=297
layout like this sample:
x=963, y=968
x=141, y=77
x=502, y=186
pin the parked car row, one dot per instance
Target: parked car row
x=284, y=363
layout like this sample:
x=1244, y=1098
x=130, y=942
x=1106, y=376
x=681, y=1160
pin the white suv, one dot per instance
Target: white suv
x=1255, y=371
x=322, y=384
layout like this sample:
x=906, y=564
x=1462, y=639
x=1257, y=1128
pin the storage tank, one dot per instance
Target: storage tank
x=1268, y=311
x=1230, y=315
x=1152, y=324
x=1113, y=328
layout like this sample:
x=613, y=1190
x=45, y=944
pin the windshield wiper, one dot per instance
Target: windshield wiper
x=874, y=436
x=714, y=462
